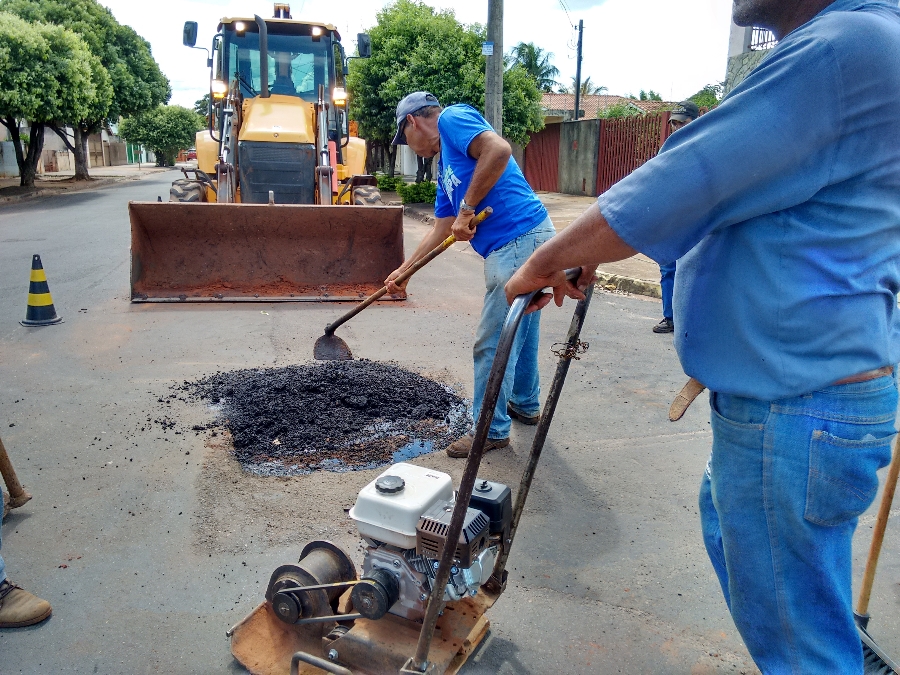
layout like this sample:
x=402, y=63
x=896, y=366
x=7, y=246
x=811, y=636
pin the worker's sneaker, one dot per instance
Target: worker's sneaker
x=530, y=420
x=461, y=447
x=664, y=326
x=20, y=608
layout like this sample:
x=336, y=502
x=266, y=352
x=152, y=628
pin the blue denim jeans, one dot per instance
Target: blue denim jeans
x=667, y=285
x=521, y=385
x=779, y=503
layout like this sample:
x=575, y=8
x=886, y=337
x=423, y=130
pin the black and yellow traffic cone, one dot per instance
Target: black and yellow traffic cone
x=40, y=311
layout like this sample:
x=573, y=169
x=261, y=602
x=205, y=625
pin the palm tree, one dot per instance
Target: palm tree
x=588, y=88
x=536, y=63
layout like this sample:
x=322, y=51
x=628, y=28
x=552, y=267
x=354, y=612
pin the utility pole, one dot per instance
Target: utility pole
x=578, y=70
x=493, y=74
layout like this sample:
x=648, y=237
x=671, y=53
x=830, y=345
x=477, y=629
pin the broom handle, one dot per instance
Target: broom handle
x=412, y=269
x=881, y=521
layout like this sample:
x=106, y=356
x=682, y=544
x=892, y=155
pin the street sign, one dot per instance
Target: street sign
x=487, y=48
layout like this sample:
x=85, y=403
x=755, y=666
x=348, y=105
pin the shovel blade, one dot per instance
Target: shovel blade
x=331, y=348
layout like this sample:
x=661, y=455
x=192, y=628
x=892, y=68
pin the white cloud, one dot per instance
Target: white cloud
x=672, y=48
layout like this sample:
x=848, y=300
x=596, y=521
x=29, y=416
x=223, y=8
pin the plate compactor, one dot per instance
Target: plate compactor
x=434, y=561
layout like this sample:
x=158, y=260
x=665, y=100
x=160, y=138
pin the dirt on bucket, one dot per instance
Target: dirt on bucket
x=333, y=415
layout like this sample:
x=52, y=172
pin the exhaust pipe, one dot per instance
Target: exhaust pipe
x=263, y=57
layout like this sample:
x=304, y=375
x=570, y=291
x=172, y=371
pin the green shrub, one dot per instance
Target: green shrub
x=388, y=183
x=418, y=193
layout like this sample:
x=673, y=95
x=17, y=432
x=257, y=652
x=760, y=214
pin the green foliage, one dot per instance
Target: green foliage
x=388, y=183
x=709, y=96
x=418, y=193
x=165, y=130
x=521, y=106
x=47, y=73
x=645, y=96
x=415, y=47
x=618, y=111
x=136, y=80
x=536, y=63
x=588, y=88
x=201, y=106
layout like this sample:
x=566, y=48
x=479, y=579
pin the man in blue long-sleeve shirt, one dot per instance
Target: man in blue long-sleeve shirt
x=782, y=207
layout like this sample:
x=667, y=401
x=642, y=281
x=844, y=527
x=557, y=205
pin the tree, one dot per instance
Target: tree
x=201, y=106
x=165, y=130
x=136, y=81
x=536, y=63
x=46, y=73
x=709, y=96
x=618, y=111
x=415, y=47
x=588, y=88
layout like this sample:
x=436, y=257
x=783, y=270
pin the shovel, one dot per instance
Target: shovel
x=875, y=660
x=330, y=347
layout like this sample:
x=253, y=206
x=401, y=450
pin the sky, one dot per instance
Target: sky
x=628, y=45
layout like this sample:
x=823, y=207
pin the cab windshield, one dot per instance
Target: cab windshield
x=297, y=63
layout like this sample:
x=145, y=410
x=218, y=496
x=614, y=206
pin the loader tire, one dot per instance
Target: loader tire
x=184, y=190
x=367, y=195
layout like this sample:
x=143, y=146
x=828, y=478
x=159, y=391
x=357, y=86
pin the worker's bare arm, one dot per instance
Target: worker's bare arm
x=491, y=154
x=439, y=231
x=586, y=243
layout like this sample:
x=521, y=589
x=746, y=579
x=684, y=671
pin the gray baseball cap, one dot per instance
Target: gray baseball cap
x=685, y=112
x=407, y=106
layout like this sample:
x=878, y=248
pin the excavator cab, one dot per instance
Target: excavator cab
x=280, y=206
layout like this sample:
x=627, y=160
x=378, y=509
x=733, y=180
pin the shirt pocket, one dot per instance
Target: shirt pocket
x=842, y=480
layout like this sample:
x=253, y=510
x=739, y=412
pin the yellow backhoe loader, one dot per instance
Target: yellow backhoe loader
x=279, y=207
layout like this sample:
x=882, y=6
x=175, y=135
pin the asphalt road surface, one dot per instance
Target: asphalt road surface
x=149, y=543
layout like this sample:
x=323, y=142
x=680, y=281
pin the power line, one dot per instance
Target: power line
x=566, y=10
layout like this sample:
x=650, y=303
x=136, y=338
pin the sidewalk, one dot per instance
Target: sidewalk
x=61, y=182
x=638, y=275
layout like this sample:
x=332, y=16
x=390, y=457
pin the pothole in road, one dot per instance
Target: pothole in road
x=334, y=416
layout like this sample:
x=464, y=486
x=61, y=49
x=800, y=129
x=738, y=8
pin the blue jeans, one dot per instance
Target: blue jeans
x=521, y=385
x=667, y=284
x=779, y=503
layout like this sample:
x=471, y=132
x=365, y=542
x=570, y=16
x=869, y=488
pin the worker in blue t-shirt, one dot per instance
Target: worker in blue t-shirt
x=476, y=170
x=782, y=207
x=684, y=113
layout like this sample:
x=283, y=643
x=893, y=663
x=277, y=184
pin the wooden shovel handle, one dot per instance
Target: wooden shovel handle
x=887, y=498
x=17, y=494
x=412, y=269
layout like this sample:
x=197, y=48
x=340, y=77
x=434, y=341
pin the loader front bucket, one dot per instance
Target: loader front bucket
x=208, y=252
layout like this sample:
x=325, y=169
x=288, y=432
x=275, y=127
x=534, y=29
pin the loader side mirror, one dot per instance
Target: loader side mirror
x=364, y=45
x=189, y=39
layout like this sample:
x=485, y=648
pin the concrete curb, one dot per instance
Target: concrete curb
x=95, y=184
x=414, y=211
x=614, y=282
x=101, y=182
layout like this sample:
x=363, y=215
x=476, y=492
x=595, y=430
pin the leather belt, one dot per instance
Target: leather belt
x=693, y=389
x=884, y=371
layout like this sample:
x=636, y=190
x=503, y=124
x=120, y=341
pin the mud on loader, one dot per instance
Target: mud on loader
x=279, y=207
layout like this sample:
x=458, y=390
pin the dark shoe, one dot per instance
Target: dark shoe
x=20, y=608
x=461, y=447
x=664, y=326
x=530, y=420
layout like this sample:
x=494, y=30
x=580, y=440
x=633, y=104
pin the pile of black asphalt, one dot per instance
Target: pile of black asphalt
x=334, y=415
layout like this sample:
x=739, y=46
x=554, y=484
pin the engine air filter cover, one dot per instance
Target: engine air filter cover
x=431, y=533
